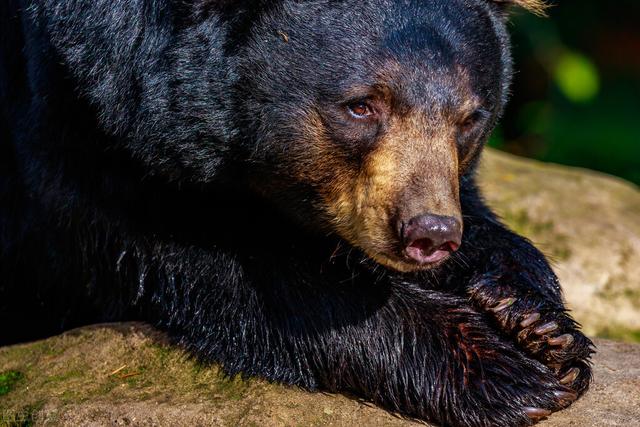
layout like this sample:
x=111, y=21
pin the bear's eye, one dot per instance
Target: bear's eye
x=360, y=109
x=472, y=120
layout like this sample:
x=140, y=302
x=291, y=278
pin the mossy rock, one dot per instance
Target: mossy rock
x=587, y=223
x=128, y=374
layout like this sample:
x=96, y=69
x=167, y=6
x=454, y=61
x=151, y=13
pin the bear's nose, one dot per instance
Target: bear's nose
x=430, y=238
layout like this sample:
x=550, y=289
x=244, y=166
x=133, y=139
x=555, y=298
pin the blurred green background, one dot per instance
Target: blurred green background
x=576, y=93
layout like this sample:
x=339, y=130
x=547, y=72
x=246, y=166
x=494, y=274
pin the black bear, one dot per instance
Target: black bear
x=287, y=188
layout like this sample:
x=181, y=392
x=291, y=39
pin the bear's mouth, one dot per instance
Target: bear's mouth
x=403, y=263
x=423, y=252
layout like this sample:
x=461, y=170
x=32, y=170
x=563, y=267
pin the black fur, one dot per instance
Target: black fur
x=133, y=136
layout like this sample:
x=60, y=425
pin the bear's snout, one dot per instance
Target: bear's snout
x=430, y=238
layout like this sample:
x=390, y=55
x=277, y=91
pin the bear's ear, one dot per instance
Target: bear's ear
x=538, y=7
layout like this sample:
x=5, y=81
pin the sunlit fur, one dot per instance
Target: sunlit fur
x=536, y=6
x=413, y=155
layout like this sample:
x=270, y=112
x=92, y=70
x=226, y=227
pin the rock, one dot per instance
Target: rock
x=128, y=374
x=614, y=397
x=588, y=223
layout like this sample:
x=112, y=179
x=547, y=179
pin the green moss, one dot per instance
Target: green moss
x=74, y=373
x=29, y=355
x=197, y=367
x=8, y=380
x=633, y=295
x=233, y=388
x=521, y=223
x=620, y=334
x=70, y=396
x=163, y=353
x=612, y=290
x=105, y=388
x=138, y=381
x=542, y=233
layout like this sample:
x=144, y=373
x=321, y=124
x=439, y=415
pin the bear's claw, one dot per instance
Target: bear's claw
x=570, y=376
x=561, y=341
x=530, y=320
x=543, y=330
x=566, y=397
x=505, y=303
x=537, y=414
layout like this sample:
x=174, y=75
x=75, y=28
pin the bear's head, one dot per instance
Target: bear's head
x=364, y=117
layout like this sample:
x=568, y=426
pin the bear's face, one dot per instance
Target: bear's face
x=368, y=115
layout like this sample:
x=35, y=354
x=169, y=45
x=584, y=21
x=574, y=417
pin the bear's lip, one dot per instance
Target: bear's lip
x=417, y=255
x=399, y=261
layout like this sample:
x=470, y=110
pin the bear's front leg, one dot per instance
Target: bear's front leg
x=513, y=283
x=430, y=355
